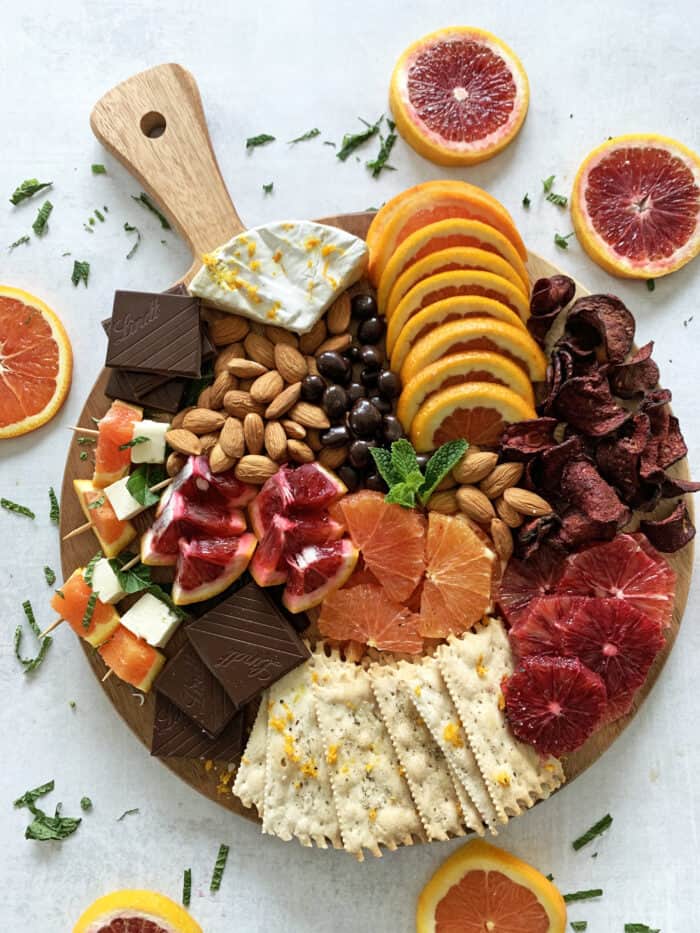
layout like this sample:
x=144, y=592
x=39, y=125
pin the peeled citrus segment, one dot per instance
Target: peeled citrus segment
x=428, y=203
x=112, y=533
x=36, y=362
x=132, y=659
x=135, y=912
x=476, y=334
x=461, y=368
x=477, y=411
x=364, y=613
x=71, y=603
x=636, y=205
x=459, y=95
x=443, y=312
x=482, y=888
x=116, y=429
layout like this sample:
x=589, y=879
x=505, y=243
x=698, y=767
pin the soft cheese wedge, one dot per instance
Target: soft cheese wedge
x=285, y=273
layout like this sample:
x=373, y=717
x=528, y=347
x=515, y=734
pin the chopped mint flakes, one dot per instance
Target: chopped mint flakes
x=15, y=507
x=595, y=830
x=129, y=228
x=31, y=664
x=149, y=205
x=261, y=139
x=28, y=189
x=98, y=169
x=39, y=225
x=49, y=576
x=310, y=134
x=54, y=508
x=219, y=868
x=81, y=272
x=20, y=242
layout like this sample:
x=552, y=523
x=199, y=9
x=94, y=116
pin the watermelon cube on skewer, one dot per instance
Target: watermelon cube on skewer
x=113, y=535
x=71, y=603
x=115, y=430
x=132, y=659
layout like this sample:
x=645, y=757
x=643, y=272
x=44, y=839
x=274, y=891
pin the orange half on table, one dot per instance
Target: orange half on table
x=135, y=912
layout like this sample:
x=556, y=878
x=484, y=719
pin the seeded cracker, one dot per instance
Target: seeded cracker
x=430, y=697
x=249, y=785
x=371, y=797
x=425, y=767
x=473, y=667
x=298, y=795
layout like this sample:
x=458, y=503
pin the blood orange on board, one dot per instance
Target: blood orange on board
x=135, y=912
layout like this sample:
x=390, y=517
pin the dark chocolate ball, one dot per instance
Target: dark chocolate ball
x=349, y=476
x=312, y=388
x=335, y=402
x=372, y=357
x=356, y=391
x=364, y=419
x=392, y=429
x=375, y=482
x=363, y=306
x=333, y=366
x=388, y=384
x=336, y=436
x=381, y=404
x=359, y=454
x=371, y=330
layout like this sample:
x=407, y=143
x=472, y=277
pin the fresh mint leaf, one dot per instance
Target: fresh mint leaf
x=98, y=169
x=383, y=460
x=187, y=887
x=310, y=134
x=56, y=827
x=100, y=216
x=219, y=868
x=526, y=200
x=403, y=458
x=562, y=241
x=579, y=926
x=90, y=568
x=20, y=242
x=85, y=804
x=15, y=507
x=639, y=928
x=29, y=797
x=28, y=189
x=583, y=895
x=140, y=482
x=651, y=284
x=49, y=576
x=149, y=205
x=130, y=228
x=590, y=834
x=134, y=442
x=89, y=610
x=134, y=580
x=54, y=507
x=559, y=199
x=132, y=812
x=402, y=494
x=381, y=162
x=351, y=141
x=440, y=464
x=164, y=597
x=547, y=184
x=268, y=187
x=96, y=503
x=39, y=225
x=31, y=664
x=261, y=140
x=81, y=272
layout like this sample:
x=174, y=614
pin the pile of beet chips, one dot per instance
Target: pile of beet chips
x=605, y=438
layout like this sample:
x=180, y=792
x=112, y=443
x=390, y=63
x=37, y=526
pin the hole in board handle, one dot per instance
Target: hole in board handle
x=153, y=124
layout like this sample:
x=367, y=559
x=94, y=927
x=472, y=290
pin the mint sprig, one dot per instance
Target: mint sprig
x=400, y=470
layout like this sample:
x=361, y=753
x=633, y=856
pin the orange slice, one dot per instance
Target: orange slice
x=116, y=428
x=477, y=411
x=71, y=602
x=137, y=912
x=483, y=888
x=476, y=366
x=446, y=234
x=36, y=362
x=636, y=205
x=460, y=308
x=428, y=203
x=112, y=533
x=479, y=333
x=363, y=613
x=459, y=95
x=132, y=659
x=458, y=573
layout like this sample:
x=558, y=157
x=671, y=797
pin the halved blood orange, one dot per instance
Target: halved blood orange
x=116, y=429
x=364, y=613
x=112, y=533
x=477, y=366
x=132, y=659
x=71, y=602
x=460, y=308
x=477, y=411
x=428, y=203
x=482, y=888
x=458, y=575
x=36, y=362
x=636, y=205
x=446, y=234
x=459, y=95
x=135, y=912
x=479, y=333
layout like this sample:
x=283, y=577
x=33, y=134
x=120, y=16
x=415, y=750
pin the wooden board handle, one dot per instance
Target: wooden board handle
x=154, y=124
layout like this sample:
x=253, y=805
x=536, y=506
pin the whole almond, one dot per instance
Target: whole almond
x=203, y=421
x=204, y=398
x=232, y=438
x=255, y=469
x=333, y=457
x=475, y=504
x=284, y=401
x=239, y=403
x=260, y=349
x=501, y=478
x=246, y=369
x=300, y=452
x=444, y=502
x=184, y=442
x=229, y=329
x=219, y=387
x=474, y=466
x=208, y=441
x=227, y=355
x=310, y=416
x=526, y=502
x=507, y=513
x=275, y=441
x=267, y=387
x=278, y=335
x=254, y=432
x=502, y=538
x=180, y=417
x=335, y=344
x=219, y=460
x=314, y=338
x=313, y=439
x=290, y=363
x=293, y=430
x=338, y=317
x=174, y=463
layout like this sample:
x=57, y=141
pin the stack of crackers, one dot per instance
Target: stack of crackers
x=363, y=757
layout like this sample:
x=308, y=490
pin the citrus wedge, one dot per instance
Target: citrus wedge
x=135, y=912
x=479, y=333
x=36, y=362
x=476, y=366
x=445, y=234
x=460, y=308
x=428, y=203
x=112, y=533
x=71, y=604
x=116, y=429
x=459, y=95
x=636, y=205
x=477, y=411
x=132, y=659
x=482, y=888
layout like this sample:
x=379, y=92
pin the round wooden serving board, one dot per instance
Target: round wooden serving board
x=178, y=168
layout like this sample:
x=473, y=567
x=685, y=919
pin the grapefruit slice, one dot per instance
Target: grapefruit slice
x=391, y=539
x=459, y=95
x=71, y=603
x=116, y=429
x=209, y=566
x=447, y=234
x=476, y=334
x=112, y=533
x=636, y=205
x=317, y=570
x=476, y=411
x=458, y=369
x=364, y=613
x=428, y=203
x=132, y=659
x=36, y=362
x=524, y=581
x=481, y=888
x=135, y=912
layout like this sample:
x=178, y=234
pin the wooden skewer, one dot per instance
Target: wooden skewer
x=131, y=563
x=107, y=675
x=90, y=432
x=50, y=628
x=87, y=525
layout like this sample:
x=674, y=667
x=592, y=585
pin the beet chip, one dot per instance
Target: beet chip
x=636, y=375
x=553, y=461
x=601, y=319
x=618, y=457
x=559, y=369
x=549, y=297
x=533, y=533
x=672, y=533
x=672, y=447
x=675, y=486
x=586, y=403
x=586, y=490
x=524, y=439
x=578, y=530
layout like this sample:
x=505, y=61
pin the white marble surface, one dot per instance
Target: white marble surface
x=596, y=69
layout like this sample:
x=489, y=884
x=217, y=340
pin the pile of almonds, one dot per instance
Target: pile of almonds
x=487, y=492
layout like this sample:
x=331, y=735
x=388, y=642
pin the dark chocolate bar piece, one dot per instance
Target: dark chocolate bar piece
x=176, y=736
x=247, y=643
x=188, y=683
x=167, y=397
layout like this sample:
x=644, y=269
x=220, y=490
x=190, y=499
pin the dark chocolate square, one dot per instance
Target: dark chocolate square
x=188, y=683
x=176, y=736
x=167, y=397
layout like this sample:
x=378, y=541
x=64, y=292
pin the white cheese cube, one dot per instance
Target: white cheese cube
x=153, y=449
x=105, y=583
x=152, y=620
x=121, y=500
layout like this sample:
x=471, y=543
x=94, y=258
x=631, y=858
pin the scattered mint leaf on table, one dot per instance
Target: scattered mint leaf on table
x=351, y=141
x=387, y=144
x=526, y=200
x=547, y=184
x=187, y=887
x=639, y=928
x=147, y=203
x=562, y=241
x=590, y=834
x=15, y=507
x=559, y=199
x=56, y=827
x=583, y=895
x=81, y=272
x=651, y=285
x=73, y=705
x=19, y=242
x=28, y=189
x=100, y=216
x=219, y=868
x=49, y=576
x=85, y=804
x=310, y=134
x=54, y=507
x=261, y=140
x=98, y=168
x=130, y=228
x=268, y=187
x=132, y=812
x=578, y=926
x=29, y=797
x=31, y=664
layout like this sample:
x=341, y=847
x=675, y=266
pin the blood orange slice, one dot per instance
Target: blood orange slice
x=135, y=912
x=481, y=888
x=132, y=659
x=636, y=205
x=116, y=429
x=541, y=628
x=459, y=95
x=317, y=570
x=36, y=362
x=364, y=613
x=71, y=603
x=524, y=581
x=208, y=566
